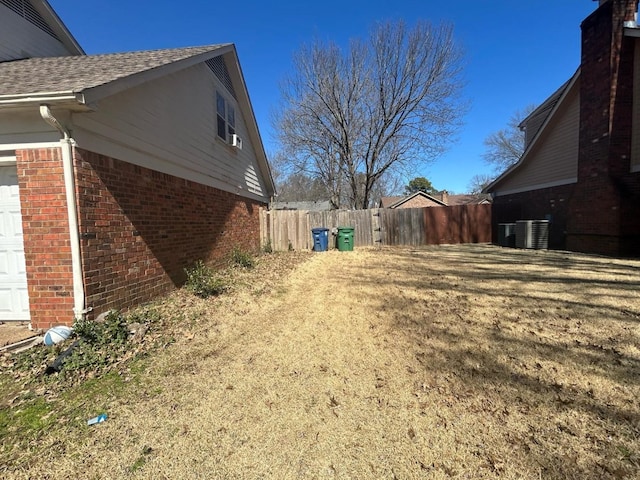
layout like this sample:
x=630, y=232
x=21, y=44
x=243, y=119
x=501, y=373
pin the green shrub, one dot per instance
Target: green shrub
x=242, y=258
x=267, y=247
x=113, y=330
x=203, y=281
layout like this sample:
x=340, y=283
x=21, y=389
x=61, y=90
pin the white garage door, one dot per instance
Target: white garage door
x=14, y=299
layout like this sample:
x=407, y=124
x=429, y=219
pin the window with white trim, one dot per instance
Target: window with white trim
x=226, y=117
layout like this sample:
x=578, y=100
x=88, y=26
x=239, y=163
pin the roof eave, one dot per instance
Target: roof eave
x=72, y=100
x=95, y=94
x=260, y=151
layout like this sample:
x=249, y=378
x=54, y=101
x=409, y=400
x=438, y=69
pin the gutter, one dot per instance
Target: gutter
x=41, y=98
x=66, y=145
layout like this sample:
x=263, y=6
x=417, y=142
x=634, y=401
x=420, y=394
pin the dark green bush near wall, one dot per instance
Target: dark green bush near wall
x=203, y=281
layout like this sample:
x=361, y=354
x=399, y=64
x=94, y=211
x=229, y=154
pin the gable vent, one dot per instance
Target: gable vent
x=219, y=68
x=30, y=14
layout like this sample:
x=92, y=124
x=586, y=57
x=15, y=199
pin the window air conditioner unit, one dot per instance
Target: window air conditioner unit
x=236, y=141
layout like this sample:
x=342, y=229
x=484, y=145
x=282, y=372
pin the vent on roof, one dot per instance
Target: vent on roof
x=219, y=68
x=30, y=14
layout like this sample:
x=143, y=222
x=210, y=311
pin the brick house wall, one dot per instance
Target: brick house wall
x=601, y=212
x=47, y=245
x=138, y=228
x=548, y=203
x=605, y=207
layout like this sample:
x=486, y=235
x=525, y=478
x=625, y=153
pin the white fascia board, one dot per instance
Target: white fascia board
x=94, y=94
x=529, y=188
x=69, y=100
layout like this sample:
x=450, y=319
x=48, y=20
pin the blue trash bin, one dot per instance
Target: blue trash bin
x=320, y=239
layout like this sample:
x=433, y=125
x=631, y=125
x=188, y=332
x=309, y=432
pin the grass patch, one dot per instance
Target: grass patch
x=115, y=363
x=466, y=362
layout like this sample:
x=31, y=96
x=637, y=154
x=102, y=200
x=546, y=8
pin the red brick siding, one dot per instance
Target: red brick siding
x=548, y=203
x=46, y=236
x=141, y=228
x=604, y=209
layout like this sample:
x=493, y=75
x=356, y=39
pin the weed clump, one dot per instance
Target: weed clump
x=112, y=331
x=203, y=281
x=97, y=347
x=242, y=258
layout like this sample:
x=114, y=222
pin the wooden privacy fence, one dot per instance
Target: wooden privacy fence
x=291, y=229
x=436, y=225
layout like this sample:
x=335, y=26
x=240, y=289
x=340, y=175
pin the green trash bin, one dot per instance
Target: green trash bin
x=345, y=239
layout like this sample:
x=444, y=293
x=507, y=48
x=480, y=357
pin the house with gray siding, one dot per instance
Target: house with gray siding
x=118, y=170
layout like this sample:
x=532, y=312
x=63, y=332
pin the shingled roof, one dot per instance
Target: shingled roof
x=77, y=74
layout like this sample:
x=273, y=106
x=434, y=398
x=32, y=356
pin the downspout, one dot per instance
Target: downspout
x=66, y=145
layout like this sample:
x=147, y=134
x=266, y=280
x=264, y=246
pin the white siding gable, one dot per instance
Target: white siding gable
x=169, y=125
x=20, y=38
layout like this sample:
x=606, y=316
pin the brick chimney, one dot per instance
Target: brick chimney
x=444, y=197
x=603, y=197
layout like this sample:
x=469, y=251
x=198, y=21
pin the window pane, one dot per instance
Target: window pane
x=231, y=116
x=222, y=127
x=220, y=104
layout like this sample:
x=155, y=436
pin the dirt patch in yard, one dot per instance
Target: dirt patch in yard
x=12, y=332
x=438, y=362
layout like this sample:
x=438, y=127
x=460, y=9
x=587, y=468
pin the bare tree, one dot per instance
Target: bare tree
x=389, y=103
x=298, y=187
x=506, y=146
x=478, y=182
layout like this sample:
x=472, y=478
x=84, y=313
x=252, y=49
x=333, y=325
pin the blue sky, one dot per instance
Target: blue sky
x=517, y=52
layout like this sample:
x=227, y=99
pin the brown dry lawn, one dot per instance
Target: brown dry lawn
x=471, y=362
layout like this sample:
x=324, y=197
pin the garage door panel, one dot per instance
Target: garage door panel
x=4, y=264
x=21, y=265
x=14, y=303
x=16, y=223
x=12, y=264
x=14, y=299
x=6, y=300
